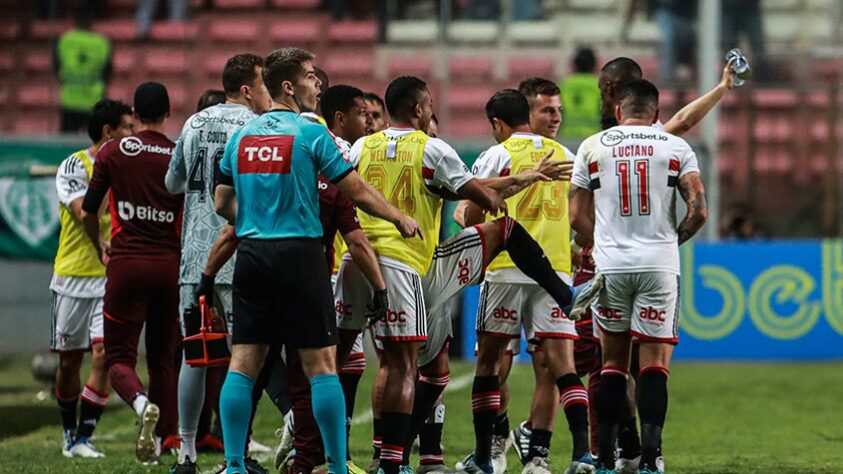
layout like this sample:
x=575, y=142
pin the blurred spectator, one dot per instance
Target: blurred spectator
x=738, y=224
x=482, y=10
x=146, y=12
x=82, y=61
x=210, y=98
x=742, y=19
x=677, y=20
x=581, y=98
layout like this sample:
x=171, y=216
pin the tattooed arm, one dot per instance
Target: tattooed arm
x=693, y=193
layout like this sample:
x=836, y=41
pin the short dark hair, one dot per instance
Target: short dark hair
x=402, y=94
x=281, y=65
x=240, y=70
x=339, y=98
x=584, y=61
x=210, y=98
x=372, y=97
x=323, y=78
x=106, y=112
x=510, y=107
x=538, y=86
x=623, y=70
x=639, y=98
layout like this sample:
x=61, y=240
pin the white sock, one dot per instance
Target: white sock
x=139, y=403
x=188, y=446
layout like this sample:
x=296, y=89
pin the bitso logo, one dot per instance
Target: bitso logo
x=131, y=146
x=127, y=211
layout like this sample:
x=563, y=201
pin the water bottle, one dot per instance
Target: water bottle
x=740, y=67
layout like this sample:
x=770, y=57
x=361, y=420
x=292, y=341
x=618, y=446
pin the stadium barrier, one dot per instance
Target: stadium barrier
x=761, y=301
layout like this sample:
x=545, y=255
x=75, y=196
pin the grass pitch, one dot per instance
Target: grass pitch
x=723, y=418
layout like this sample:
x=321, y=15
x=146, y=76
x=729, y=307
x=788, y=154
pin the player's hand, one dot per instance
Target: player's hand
x=555, y=170
x=206, y=289
x=727, y=80
x=104, y=253
x=377, y=309
x=408, y=227
x=497, y=204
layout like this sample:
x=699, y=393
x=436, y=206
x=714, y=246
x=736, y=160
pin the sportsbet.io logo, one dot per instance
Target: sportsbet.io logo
x=132, y=146
x=613, y=137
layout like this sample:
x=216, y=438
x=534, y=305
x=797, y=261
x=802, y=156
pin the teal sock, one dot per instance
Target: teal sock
x=236, y=411
x=329, y=410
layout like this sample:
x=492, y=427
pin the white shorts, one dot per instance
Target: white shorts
x=505, y=307
x=457, y=263
x=645, y=304
x=439, y=334
x=77, y=323
x=222, y=302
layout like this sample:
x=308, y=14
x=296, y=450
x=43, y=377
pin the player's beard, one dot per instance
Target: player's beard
x=608, y=121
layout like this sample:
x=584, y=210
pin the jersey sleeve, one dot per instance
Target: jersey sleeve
x=581, y=177
x=687, y=160
x=177, y=172
x=71, y=180
x=100, y=180
x=492, y=163
x=330, y=159
x=346, y=215
x=443, y=168
x=356, y=151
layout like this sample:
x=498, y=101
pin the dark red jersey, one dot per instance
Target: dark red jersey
x=337, y=213
x=585, y=272
x=145, y=217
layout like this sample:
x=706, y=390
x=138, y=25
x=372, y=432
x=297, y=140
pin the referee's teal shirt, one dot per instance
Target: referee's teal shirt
x=273, y=162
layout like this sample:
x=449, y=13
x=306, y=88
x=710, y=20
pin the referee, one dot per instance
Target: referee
x=282, y=290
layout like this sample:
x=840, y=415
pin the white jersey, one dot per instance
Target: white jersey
x=633, y=172
x=198, y=150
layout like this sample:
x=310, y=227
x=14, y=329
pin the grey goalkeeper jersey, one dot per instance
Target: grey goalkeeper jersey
x=198, y=150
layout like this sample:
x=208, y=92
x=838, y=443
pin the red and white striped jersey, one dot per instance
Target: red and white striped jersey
x=633, y=172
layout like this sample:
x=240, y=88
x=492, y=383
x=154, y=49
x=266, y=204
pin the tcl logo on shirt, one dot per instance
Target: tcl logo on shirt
x=265, y=154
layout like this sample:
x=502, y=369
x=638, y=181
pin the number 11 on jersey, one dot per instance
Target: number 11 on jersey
x=642, y=175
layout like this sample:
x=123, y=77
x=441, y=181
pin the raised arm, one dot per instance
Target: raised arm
x=691, y=114
x=693, y=193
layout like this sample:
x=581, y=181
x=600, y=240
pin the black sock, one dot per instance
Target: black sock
x=629, y=444
x=529, y=257
x=485, y=402
x=430, y=438
x=68, y=413
x=377, y=437
x=502, y=425
x=278, y=387
x=652, y=406
x=539, y=444
x=349, y=384
x=93, y=404
x=428, y=390
x=395, y=428
x=611, y=398
x=574, y=399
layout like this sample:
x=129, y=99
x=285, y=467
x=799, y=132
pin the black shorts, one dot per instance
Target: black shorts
x=282, y=294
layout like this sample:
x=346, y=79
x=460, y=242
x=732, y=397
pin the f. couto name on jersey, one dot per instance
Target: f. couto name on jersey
x=127, y=211
x=133, y=146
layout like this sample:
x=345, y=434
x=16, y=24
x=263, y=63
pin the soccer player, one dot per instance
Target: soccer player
x=416, y=172
x=191, y=171
x=281, y=287
x=508, y=298
x=210, y=98
x=623, y=191
x=377, y=110
x=143, y=265
x=78, y=285
x=614, y=75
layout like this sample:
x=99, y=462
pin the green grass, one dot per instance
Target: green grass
x=723, y=418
